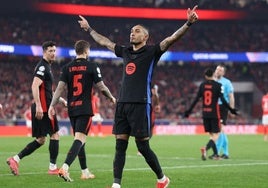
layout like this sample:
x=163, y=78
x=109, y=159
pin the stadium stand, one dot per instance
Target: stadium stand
x=172, y=77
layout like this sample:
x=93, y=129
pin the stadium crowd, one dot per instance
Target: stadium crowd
x=205, y=36
x=177, y=85
x=172, y=77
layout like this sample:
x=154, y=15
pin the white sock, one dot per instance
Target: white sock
x=85, y=171
x=65, y=167
x=52, y=166
x=162, y=179
x=16, y=158
x=116, y=185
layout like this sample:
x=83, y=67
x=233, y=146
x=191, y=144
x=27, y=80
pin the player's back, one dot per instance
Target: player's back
x=211, y=91
x=80, y=75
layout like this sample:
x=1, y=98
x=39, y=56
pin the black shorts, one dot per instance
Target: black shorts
x=212, y=125
x=224, y=114
x=81, y=124
x=44, y=126
x=133, y=119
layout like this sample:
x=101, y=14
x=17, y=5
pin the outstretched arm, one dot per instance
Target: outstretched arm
x=100, y=39
x=192, y=17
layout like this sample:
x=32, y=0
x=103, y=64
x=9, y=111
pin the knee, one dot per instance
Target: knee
x=121, y=145
x=142, y=145
x=55, y=136
x=41, y=140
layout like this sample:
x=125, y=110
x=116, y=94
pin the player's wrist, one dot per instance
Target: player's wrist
x=89, y=29
x=188, y=23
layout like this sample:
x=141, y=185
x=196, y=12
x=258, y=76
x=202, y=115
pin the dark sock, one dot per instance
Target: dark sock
x=73, y=152
x=53, y=150
x=214, y=148
x=82, y=158
x=150, y=157
x=119, y=159
x=30, y=148
x=209, y=144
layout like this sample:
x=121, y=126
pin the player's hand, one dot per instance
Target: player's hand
x=186, y=113
x=113, y=100
x=39, y=112
x=51, y=112
x=63, y=101
x=83, y=23
x=192, y=15
x=234, y=111
x=1, y=107
x=65, y=104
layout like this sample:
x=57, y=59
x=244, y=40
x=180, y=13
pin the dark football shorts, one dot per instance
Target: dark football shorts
x=212, y=125
x=133, y=119
x=44, y=126
x=81, y=124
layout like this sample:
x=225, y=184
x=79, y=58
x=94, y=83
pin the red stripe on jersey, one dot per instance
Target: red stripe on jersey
x=42, y=94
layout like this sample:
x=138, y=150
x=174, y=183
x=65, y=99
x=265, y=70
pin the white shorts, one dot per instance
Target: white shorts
x=97, y=118
x=29, y=123
x=265, y=120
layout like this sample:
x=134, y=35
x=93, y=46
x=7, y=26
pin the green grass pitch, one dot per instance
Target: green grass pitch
x=179, y=156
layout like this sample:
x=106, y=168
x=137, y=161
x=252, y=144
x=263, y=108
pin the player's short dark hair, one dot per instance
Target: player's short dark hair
x=209, y=72
x=223, y=66
x=47, y=44
x=145, y=27
x=80, y=46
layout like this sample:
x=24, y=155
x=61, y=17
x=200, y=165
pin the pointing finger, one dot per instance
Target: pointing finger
x=195, y=7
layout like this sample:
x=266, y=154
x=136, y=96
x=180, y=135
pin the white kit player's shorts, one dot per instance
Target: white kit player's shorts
x=97, y=118
x=265, y=120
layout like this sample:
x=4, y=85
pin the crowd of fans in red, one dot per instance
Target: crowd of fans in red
x=176, y=80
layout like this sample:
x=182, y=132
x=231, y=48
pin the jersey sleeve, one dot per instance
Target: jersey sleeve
x=63, y=76
x=40, y=72
x=158, y=52
x=97, y=77
x=119, y=50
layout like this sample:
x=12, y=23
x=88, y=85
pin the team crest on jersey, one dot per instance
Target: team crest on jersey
x=130, y=68
x=42, y=68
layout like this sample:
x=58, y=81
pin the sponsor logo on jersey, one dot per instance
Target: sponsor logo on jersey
x=130, y=68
